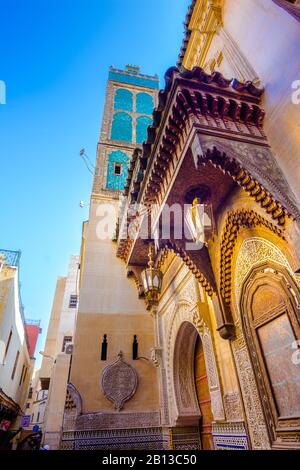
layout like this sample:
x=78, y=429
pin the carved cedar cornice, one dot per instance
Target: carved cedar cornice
x=134, y=272
x=203, y=20
x=187, y=33
x=235, y=221
x=293, y=9
x=192, y=266
x=209, y=100
x=211, y=106
x=244, y=179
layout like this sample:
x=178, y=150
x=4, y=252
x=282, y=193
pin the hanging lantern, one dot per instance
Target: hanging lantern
x=199, y=219
x=152, y=281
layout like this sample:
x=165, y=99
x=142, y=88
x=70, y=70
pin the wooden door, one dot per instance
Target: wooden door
x=203, y=396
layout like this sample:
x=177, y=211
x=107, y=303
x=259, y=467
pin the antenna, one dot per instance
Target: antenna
x=87, y=161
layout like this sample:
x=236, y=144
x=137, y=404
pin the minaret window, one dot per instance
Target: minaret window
x=135, y=348
x=121, y=127
x=123, y=100
x=142, y=124
x=144, y=103
x=117, y=169
x=104, y=348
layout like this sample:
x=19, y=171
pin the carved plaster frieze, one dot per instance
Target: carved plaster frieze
x=233, y=406
x=119, y=382
x=181, y=387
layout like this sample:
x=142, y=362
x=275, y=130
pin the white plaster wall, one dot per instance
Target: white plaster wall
x=12, y=320
x=269, y=37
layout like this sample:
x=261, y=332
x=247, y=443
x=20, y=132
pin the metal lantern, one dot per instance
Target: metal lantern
x=199, y=219
x=152, y=281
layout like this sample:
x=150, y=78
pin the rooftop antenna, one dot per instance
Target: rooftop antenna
x=87, y=161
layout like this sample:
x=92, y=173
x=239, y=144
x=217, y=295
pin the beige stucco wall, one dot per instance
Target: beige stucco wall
x=54, y=411
x=51, y=338
x=109, y=305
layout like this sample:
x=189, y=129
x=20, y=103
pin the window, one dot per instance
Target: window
x=135, y=347
x=144, y=103
x=21, y=377
x=142, y=124
x=123, y=99
x=26, y=369
x=121, y=127
x=67, y=339
x=73, y=301
x=7, y=345
x=30, y=392
x=15, y=365
x=104, y=348
x=117, y=169
x=117, y=162
x=38, y=417
x=27, y=406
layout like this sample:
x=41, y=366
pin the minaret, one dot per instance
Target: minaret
x=111, y=318
x=129, y=103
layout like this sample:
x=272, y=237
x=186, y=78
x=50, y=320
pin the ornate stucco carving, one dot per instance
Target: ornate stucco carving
x=253, y=252
x=156, y=356
x=179, y=328
x=234, y=222
x=75, y=396
x=119, y=382
x=253, y=408
x=258, y=163
x=233, y=406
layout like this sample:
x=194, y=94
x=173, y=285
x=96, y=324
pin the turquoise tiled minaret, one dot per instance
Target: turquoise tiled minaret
x=130, y=99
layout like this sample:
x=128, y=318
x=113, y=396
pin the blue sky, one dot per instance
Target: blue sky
x=54, y=59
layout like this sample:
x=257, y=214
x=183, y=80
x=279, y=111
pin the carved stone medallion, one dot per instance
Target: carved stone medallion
x=119, y=382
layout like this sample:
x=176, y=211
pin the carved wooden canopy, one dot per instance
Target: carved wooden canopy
x=207, y=130
x=219, y=122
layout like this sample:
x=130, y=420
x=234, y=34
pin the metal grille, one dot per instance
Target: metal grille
x=11, y=258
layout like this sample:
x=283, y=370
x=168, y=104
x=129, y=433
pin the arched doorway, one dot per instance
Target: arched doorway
x=191, y=385
x=203, y=396
x=270, y=317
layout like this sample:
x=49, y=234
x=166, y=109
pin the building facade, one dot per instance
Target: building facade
x=51, y=379
x=203, y=354
x=16, y=348
x=36, y=403
x=110, y=314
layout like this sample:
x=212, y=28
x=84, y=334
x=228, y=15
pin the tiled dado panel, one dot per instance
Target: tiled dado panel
x=115, y=439
x=230, y=436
